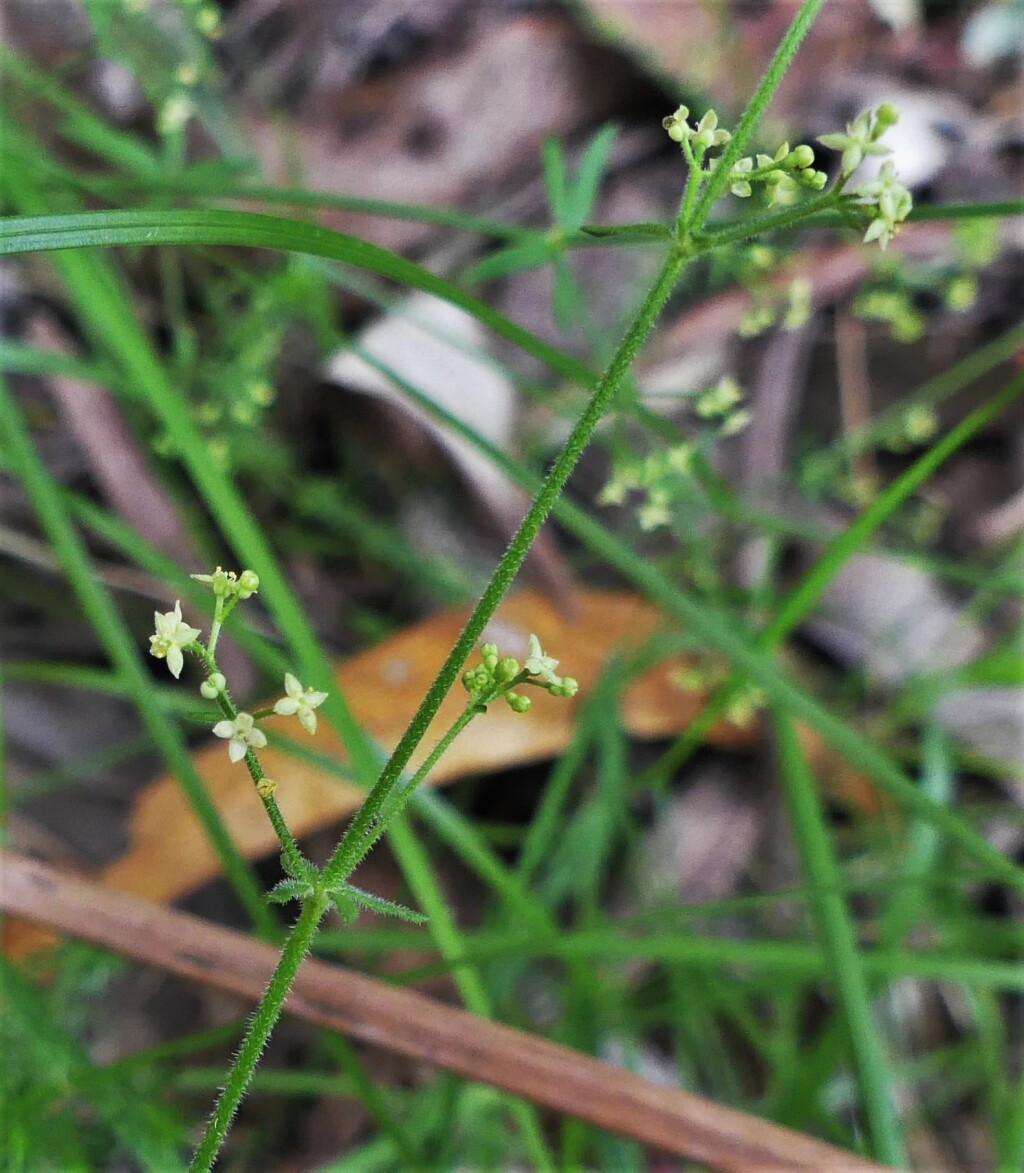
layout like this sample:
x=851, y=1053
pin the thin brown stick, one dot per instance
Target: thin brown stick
x=413, y=1025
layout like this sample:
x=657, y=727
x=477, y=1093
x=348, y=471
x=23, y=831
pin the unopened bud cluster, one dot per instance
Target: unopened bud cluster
x=782, y=174
x=703, y=137
x=498, y=676
x=225, y=584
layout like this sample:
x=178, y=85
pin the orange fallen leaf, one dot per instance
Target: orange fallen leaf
x=168, y=854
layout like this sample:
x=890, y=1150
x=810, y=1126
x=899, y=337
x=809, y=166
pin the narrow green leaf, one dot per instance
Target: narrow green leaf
x=627, y=233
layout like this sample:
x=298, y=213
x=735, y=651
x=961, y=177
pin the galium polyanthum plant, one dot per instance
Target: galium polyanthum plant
x=717, y=167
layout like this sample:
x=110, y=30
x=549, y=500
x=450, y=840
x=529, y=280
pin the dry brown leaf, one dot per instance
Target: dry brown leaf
x=169, y=855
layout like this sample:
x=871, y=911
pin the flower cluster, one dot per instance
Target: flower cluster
x=498, y=675
x=783, y=175
x=174, y=636
x=225, y=584
x=241, y=731
x=891, y=201
x=895, y=307
x=707, y=675
x=699, y=139
x=720, y=404
x=658, y=476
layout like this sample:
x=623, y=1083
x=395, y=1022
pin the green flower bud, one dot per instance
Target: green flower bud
x=248, y=584
x=518, y=703
x=212, y=687
x=507, y=669
x=800, y=157
x=887, y=115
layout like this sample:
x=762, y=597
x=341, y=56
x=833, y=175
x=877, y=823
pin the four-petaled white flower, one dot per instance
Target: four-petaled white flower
x=172, y=634
x=537, y=664
x=242, y=733
x=894, y=203
x=300, y=702
x=861, y=139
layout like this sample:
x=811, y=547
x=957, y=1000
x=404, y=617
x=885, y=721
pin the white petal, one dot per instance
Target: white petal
x=175, y=661
x=224, y=728
x=257, y=739
x=315, y=698
x=291, y=686
x=236, y=749
x=286, y=706
x=307, y=719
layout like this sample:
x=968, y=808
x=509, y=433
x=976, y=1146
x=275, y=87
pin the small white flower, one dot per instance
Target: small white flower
x=300, y=702
x=172, y=634
x=538, y=664
x=242, y=733
x=860, y=139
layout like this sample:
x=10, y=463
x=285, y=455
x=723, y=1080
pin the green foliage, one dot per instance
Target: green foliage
x=59, y=1108
x=205, y=404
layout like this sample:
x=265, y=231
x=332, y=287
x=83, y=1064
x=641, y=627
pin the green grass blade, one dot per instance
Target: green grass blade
x=41, y=233
x=839, y=944
x=419, y=874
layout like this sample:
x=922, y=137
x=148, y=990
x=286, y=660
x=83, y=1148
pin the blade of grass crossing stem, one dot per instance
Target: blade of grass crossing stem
x=909, y=897
x=519, y=906
x=365, y=827
x=923, y=848
x=120, y=646
x=38, y=232
x=721, y=632
x=806, y=595
x=370, y=1095
x=423, y=884
x=839, y=943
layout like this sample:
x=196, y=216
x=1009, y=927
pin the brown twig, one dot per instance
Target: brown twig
x=416, y=1026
